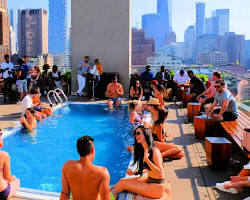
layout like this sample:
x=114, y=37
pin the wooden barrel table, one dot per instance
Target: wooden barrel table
x=203, y=125
x=186, y=98
x=218, y=151
x=193, y=109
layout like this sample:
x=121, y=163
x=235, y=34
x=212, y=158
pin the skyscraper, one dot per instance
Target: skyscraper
x=200, y=19
x=171, y=38
x=222, y=21
x=189, y=44
x=247, y=54
x=59, y=27
x=13, y=30
x=206, y=43
x=13, y=49
x=142, y=47
x=159, y=25
x=32, y=32
x=4, y=29
x=234, y=45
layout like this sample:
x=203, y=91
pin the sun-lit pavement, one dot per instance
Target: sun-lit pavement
x=190, y=177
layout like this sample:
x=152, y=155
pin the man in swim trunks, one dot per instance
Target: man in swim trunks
x=114, y=92
x=82, y=178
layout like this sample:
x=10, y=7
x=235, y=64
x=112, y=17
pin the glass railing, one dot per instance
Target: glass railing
x=238, y=84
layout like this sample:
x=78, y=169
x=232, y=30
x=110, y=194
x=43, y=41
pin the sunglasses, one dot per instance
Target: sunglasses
x=137, y=133
x=217, y=86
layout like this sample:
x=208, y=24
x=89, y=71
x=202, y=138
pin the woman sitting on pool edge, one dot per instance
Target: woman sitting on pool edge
x=168, y=150
x=28, y=120
x=134, y=117
x=148, y=159
x=8, y=183
x=38, y=105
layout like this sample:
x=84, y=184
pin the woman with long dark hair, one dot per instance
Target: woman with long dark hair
x=159, y=116
x=136, y=91
x=147, y=158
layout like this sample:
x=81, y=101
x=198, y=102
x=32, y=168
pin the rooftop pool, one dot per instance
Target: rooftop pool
x=37, y=158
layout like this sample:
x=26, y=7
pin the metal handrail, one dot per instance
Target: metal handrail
x=55, y=95
x=61, y=92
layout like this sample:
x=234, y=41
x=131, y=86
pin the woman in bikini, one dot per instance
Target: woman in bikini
x=134, y=117
x=159, y=116
x=38, y=105
x=8, y=183
x=136, y=91
x=147, y=159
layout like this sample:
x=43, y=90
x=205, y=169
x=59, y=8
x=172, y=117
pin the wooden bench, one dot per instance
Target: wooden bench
x=235, y=130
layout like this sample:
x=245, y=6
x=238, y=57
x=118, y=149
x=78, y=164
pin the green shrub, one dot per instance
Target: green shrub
x=203, y=77
x=172, y=73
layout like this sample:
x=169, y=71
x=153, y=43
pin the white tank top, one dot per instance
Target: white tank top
x=56, y=75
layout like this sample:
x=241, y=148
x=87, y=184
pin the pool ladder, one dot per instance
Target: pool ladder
x=56, y=94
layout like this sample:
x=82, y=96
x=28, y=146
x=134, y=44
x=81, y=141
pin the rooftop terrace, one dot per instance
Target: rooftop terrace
x=190, y=177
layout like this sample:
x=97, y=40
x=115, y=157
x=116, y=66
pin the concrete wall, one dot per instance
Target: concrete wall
x=101, y=29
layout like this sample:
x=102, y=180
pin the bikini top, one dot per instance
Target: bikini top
x=137, y=117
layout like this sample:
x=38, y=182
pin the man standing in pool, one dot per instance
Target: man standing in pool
x=114, y=92
x=82, y=178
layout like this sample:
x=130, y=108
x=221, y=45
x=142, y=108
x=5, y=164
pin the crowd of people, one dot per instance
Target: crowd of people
x=88, y=76
x=25, y=76
x=151, y=144
x=151, y=140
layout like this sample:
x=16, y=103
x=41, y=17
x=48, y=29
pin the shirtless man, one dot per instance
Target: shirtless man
x=114, y=92
x=29, y=121
x=82, y=178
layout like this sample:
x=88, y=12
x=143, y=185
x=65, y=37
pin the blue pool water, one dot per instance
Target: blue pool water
x=37, y=159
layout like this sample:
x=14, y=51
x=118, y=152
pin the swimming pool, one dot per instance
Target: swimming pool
x=37, y=158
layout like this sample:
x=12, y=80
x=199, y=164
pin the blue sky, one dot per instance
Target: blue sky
x=183, y=12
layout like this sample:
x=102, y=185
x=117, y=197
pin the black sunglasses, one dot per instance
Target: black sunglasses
x=217, y=86
x=137, y=133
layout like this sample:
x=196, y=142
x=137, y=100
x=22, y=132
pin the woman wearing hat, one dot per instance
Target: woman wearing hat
x=159, y=116
x=8, y=183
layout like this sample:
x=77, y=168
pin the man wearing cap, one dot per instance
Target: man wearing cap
x=146, y=78
x=147, y=75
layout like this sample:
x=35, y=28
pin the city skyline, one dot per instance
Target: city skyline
x=239, y=14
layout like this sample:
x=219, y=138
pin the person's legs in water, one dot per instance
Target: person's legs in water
x=110, y=104
x=118, y=103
